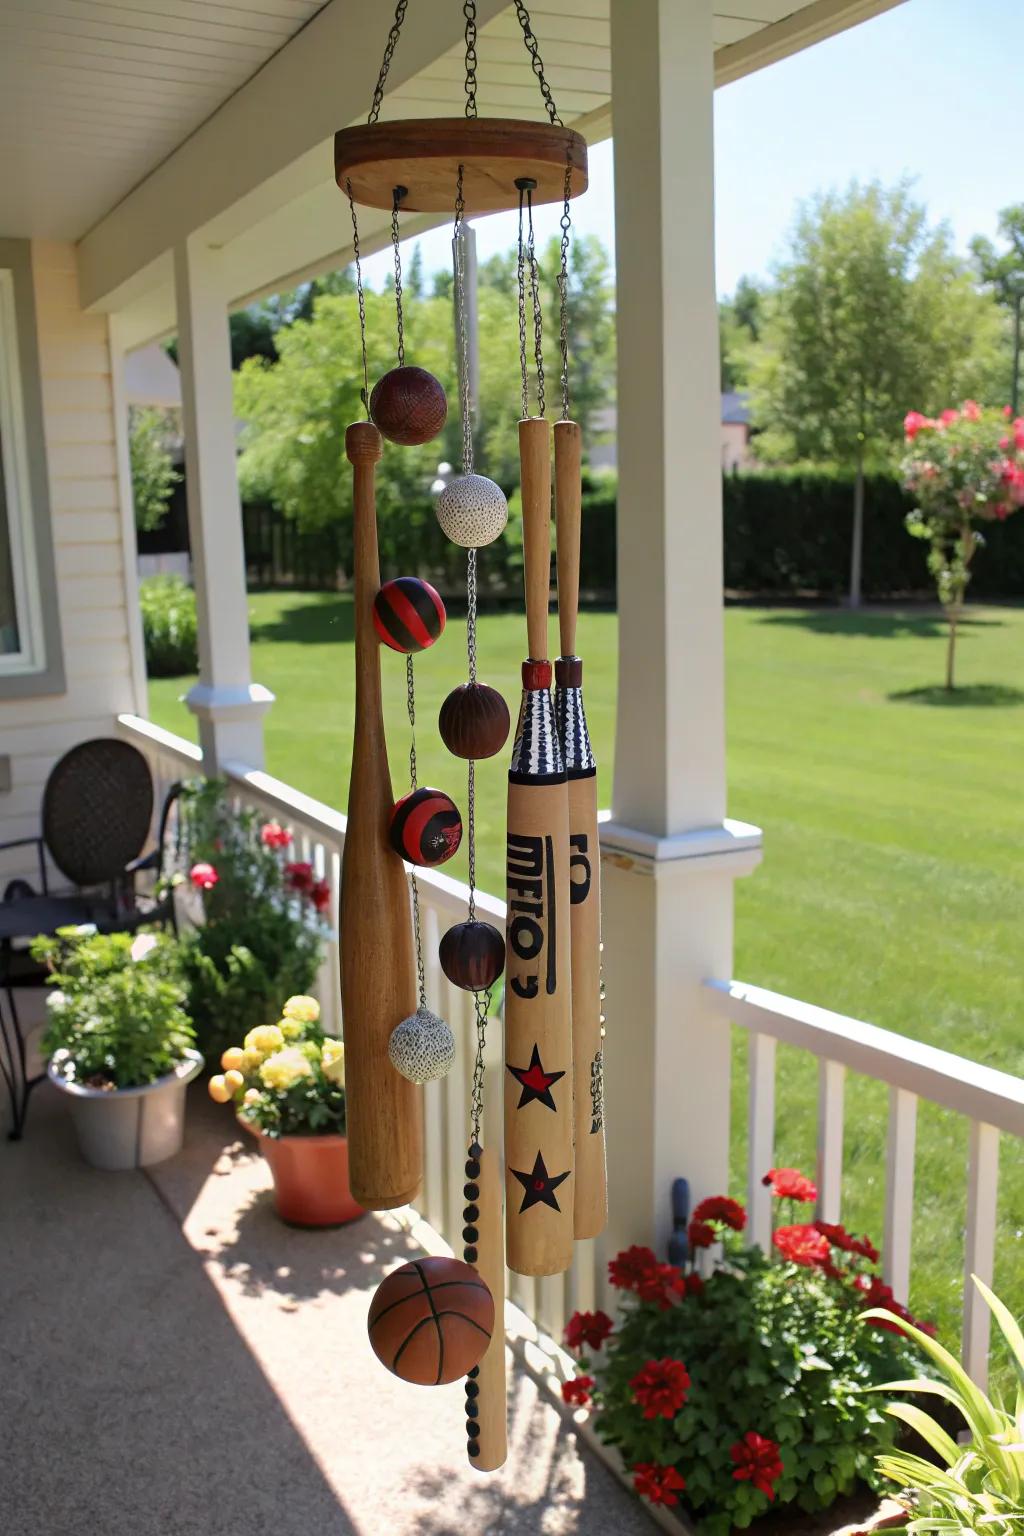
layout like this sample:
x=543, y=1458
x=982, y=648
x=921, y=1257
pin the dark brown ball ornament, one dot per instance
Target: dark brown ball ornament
x=409, y=406
x=474, y=721
x=472, y=955
x=431, y=1321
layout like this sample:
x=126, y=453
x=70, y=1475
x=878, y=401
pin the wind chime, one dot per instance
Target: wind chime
x=435, y=1320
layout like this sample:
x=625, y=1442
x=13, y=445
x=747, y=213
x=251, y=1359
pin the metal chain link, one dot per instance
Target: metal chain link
x=536, y=63
x=461, y=308
x=365, y=391
x=521, y=273
x=389, y=53
x=410, y=705
x=469, y=11
x=476, y=1111
x=563, y=290
x=538, y=314
x=397, y=196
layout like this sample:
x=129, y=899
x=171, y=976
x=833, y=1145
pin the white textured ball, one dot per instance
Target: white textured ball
x=472, y=510
x=422, y=1047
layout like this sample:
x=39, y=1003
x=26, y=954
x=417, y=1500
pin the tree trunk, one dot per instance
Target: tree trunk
x=953, y=615
x=857, y=546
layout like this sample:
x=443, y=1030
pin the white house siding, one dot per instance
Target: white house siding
x=81, y=453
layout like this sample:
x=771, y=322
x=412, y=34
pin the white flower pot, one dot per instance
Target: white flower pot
x=122, y=1128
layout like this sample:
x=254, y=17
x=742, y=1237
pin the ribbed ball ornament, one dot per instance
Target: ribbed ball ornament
x=409, y=406
x=422, y=1047
x=472, y=955
x=474, y=721
x=472, y=510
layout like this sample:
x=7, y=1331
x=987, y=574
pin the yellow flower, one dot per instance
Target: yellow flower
x=251, y=1060
x=284, y=1069
x=332, y=1060
x=306, y=1010
x=233, y=1080
x=252, y=1096
x=292, y=1029
x=233, y=1059
x=263, y=1041
x=219, y=1090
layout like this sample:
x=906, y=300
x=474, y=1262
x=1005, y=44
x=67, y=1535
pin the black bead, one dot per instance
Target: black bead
x=474, y=1373
x=472, y=1169
x=470, y=1234
x=471, y=1213
x=474, y=1448
x=476, y=1150
x=471, y=1191
x=472, y=1428
x=472, y=1409
x=472, y=1389
x=469, y=1254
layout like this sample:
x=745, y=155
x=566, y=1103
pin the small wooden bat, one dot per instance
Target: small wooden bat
x=538, y=987
x=492, y=1436
x=591, y=1195
x=378, y=977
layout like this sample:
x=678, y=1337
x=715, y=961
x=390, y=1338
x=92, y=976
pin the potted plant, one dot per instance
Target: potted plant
x=120, y=1042
x=737, y=1387
x=287, y=1083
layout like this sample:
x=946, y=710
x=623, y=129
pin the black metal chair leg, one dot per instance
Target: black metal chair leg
x=12, y=1067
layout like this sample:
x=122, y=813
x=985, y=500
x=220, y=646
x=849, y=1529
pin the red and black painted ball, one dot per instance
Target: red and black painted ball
x=408, y=614
x=426, y=827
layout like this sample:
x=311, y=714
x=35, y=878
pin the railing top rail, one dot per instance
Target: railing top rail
x=143, y=732
x=980, y=1092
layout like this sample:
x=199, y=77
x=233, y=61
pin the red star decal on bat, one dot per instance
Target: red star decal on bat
x=535, y=1082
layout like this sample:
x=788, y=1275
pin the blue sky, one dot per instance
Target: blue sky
x=933, y=89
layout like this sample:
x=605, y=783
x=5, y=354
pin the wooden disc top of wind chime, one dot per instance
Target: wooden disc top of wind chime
x=423, y=155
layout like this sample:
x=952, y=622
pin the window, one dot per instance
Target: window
x=22, y=647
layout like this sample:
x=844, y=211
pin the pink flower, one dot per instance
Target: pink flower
x=947, y=417
x=273, y=835
x=913, y=421
x=203, y=876
x=577, y=1391
x=971, y=410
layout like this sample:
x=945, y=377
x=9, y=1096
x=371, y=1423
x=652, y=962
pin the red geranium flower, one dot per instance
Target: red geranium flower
x=630, y=1266
x=577, y=1391
x=694, y=1285
x=802, y=1244
x=699, y=1234
x=320, y=895
x=273, y=835
x=659, y=1484
x=662, y=1284
x=660, y=1388
x=790, y=1184
x=587, y=1328
x=720, y=1208
x=865, y=1247
x=840, y=1238
x=757, y=1461
x=299, y=877
x=203, y=876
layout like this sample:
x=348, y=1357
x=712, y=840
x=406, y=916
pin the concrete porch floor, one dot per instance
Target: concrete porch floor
x=173, y=1360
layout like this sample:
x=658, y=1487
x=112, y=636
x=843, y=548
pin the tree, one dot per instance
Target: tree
x=1003, y=272
x=739, y=328
x=871, y=311
x=153, y=473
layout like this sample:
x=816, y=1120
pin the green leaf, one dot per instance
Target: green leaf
x=926, y=1427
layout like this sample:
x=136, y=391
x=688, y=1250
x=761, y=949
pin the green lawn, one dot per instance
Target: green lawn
x=893, y=882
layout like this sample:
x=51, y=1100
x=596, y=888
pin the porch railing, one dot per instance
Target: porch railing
x=991, y=1101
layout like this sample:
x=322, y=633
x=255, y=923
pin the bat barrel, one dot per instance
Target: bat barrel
x=491, y=1401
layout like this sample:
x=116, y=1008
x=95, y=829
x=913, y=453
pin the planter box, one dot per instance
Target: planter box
x=123, y=1128
x=311, y=1187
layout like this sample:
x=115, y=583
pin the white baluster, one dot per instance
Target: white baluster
x=831, y=1081
x=899, y=1192
x=979, y=1245
x=760, y=1137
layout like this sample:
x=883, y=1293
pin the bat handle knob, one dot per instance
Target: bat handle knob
x=363, y=443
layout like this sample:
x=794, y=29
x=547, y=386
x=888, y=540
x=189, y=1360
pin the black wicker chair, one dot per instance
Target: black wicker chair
x=97, y=813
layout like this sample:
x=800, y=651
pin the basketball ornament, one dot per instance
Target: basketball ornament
x=426, y=827
x=408, y=406
x=474, y=721
x=472, y=511
x=431, y=1321
x=422, y=1047
x=408, y=614
x=472, y=955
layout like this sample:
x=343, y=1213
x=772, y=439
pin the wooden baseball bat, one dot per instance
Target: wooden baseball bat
x=378, y=976
x=591, y=1194
x=492, y=1436
x=538, y=986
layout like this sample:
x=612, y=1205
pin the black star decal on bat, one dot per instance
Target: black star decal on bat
x=539, y=1186
x=535, y=1082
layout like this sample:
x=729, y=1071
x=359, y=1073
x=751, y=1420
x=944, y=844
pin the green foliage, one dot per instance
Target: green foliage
x=739, y=322
x=976, y=1489
x=1003, y=274
x=169, y=630
x=153, y=473
x=116, y=1021
x=258, y=941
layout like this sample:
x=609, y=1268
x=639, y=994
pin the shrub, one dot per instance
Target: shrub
x=116, y=1017
x=288, y=1078
x=168, y=606
x=732, y=1391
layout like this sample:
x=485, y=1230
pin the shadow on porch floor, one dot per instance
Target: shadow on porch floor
x=176, y=1361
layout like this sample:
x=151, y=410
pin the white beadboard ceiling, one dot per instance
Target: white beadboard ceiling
x=94, y=94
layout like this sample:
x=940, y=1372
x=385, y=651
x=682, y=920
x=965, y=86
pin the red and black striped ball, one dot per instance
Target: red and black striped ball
x=472, y=955
x=408, y=406
x=474, y=721
x=431, y=1320
x=426, y=827
x=408, y=614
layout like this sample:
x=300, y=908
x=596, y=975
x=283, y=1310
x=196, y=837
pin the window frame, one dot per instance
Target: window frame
x=30, y=657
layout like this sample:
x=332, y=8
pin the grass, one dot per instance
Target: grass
x=893, y=882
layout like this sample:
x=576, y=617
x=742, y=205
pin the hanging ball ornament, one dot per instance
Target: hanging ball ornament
x=409, y=406
x=422, y=1047
x=472, y=510
x=472, y=955
x=474, y=721
x=426, y=827
x=408, y=614
x=431, y=1320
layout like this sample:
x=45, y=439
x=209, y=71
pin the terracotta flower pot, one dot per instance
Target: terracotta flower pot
x=311, y=1187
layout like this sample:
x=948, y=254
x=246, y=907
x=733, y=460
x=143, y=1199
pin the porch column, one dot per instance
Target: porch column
x=229, y=705
x=669, y=856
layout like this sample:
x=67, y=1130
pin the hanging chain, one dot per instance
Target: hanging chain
x=521, y=273
x=476, y=1103
x=365, y=391
x=462, y=325
x=563, y=291
x=410, y=705
x=538, y=321
x=536, y=63
x=389, y=53
x=396, y=198
x=469, y=11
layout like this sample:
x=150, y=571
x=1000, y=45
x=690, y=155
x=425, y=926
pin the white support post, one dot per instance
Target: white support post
x=899, y=1192
x=129, y=543
x=229, y=705
x=979, y=1246
x=831, y=1091
x=669, y=856
x=760, y=1137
